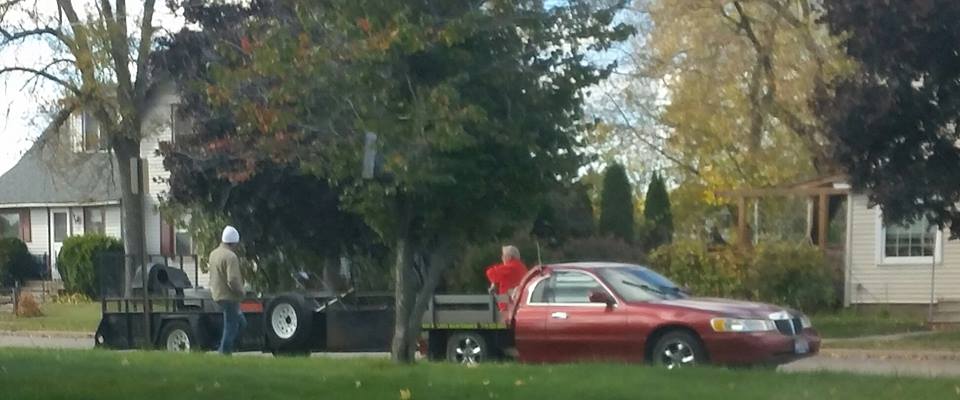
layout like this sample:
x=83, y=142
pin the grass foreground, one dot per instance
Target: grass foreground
x=78, y=374
x=82, y=317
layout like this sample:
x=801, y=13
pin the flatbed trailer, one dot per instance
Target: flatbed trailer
x=187, y=319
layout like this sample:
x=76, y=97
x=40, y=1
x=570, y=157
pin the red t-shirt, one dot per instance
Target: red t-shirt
x=506, y=276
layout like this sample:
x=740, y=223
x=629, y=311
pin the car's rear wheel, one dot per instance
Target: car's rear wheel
x=467, y=348
x=678, y=349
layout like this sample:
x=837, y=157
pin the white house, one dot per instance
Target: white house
x=898, y=264
x=67, y=185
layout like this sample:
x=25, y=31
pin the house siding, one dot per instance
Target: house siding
x=871, y=282
x=113, y=223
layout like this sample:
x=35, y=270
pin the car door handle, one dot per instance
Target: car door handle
x=559, y=315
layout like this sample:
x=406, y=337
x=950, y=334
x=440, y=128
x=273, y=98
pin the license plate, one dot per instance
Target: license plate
x=801, y=346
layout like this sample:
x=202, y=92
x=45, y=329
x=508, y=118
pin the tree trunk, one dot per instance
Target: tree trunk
x=401, y=350
x=132, y=206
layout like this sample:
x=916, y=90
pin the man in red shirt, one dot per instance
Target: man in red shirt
x=507, y=276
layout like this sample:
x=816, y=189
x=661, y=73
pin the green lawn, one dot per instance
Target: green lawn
x=57, y=317
x=848, y=324
x=62, y=374
x=948, y=340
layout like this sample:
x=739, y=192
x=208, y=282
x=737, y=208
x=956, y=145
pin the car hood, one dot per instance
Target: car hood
x=729, y=308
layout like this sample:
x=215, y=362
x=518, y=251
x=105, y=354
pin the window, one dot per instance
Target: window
x=59, y=227
x=916, y=242
x=180, y=125
x=183, y=242
x=566, y=287
x=9, y=224
x=175, y=239
x=636, y=283
x=94, y=220
x=90, y=131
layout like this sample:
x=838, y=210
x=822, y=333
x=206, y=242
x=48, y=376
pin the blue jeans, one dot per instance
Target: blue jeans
x=233, y=324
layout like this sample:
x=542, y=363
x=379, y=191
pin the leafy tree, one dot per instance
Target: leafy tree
x=476, y=107
x=100, y=62
x=616, y=204
x=567, y=213
x=721, y=92
x=895, y=121
x=657, y=212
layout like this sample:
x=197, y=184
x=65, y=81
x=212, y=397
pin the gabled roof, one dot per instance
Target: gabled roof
x=49, y=175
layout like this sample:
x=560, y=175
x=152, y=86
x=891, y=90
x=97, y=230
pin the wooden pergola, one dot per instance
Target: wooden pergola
x=820, y=189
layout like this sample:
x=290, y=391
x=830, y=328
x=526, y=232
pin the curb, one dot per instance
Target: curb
x=49, y=334
x=917, y=355
x=877, y=338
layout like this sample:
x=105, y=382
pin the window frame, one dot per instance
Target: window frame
x=550, y=278
x=102, y=211
x=881, y=247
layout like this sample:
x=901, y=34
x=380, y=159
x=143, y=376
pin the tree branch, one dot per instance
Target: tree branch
x=46, y=75
x=143, y=51
x=650, y=144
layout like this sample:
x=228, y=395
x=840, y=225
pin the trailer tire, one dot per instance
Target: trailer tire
x=467, y=348
x=178, y=336
x=288, y=324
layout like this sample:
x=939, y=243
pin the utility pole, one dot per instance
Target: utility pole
x=136, y=172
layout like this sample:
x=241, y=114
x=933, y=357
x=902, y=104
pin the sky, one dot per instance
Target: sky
x=24, y=104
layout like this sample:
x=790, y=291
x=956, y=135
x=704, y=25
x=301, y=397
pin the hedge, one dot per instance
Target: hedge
x=77, y=262
x=16, y=264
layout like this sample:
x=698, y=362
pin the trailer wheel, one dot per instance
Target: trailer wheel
x=288, y=324
x=177, y=336
x=467, y=348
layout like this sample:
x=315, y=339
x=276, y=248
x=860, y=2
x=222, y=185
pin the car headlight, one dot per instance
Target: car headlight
x=742, y=325
x=805, y=322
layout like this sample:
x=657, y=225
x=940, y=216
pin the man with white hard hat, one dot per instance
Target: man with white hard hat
x=226, y=283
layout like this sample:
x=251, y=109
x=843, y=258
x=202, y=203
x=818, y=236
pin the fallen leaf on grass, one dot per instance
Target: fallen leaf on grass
x=405, y=394
x=358, y=384
x=519, y=382
x=486, y=382
x=125, y=362
x=216, y=385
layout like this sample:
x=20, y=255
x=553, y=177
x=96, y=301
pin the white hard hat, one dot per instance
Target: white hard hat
x=230, y=235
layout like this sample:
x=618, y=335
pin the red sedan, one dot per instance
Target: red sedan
x=622, y=312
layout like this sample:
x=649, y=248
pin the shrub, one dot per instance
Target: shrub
x=77, y=262
x=794, y=274
x=16, y=264
x=71, y=298
x=27, y=306
x=705, y=272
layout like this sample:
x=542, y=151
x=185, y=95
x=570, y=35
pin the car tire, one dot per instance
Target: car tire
x=288, y=323
x=178, y=336
x=467, y=348
x=678, y=349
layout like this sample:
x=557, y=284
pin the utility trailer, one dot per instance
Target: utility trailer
x=456, y=327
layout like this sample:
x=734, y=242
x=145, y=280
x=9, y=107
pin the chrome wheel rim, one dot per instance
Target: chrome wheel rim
x=178, y=341
x=678, y=354
x=468, y=351
x=283, y=319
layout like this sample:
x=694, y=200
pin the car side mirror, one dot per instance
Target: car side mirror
x=602, y=297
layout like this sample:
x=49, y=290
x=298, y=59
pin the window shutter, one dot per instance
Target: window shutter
x=166, y=238
x=25, y=232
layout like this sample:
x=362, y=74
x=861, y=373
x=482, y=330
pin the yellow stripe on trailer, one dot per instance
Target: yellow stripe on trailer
x=467, y=325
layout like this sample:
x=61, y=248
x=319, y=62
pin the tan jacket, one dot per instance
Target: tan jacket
x=226, y=283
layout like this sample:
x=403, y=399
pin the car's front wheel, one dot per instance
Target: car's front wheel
x=678, y=349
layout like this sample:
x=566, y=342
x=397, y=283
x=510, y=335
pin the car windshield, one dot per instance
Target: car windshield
x=636, y=283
